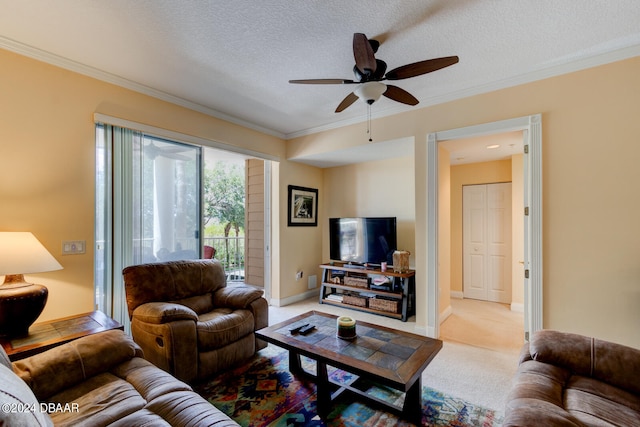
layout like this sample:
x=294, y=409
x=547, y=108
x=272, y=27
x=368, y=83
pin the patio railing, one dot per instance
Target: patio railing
x=230, y=252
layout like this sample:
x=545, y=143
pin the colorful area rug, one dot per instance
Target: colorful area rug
x=264, y=393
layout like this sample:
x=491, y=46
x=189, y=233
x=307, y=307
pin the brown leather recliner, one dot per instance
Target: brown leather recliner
x=186, y=319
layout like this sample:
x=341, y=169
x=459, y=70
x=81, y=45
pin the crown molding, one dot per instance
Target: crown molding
x=95, y=73
x=565, y=67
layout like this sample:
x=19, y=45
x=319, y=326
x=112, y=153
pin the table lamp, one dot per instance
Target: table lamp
x=20, y=302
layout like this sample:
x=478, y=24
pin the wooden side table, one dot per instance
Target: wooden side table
x=46, y=335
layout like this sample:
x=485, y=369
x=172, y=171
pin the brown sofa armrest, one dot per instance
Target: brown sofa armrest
x=236, y=297
x=163, y=312
x=569, y=351
x=69, y=364
x=609, y=362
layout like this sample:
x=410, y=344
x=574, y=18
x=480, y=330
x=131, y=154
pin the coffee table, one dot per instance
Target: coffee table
x=378, y=354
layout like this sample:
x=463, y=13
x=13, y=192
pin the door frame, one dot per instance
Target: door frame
x=531, y=126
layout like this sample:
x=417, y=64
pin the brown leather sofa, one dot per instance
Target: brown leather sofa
x=98, y=380
x=566, y=379
x=188, y=321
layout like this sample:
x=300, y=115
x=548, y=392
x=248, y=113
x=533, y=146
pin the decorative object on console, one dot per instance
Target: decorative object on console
x=346, y=327
x=302, y=206
x=401, y=261
x=20, y=302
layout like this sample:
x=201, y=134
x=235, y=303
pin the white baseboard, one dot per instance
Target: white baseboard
x=457, y=294
x=445, y=314
x=517, y=306
x=293, y=299
x=421, y=330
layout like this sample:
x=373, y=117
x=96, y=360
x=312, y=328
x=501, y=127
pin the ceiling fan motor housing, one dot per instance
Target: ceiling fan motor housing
x=367, y=76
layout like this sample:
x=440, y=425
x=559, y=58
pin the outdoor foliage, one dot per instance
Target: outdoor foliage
x=224, y=195
x=224, y=198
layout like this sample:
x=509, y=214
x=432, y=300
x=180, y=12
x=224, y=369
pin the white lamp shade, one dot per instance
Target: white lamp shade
x=22, y=253
x=370, y=91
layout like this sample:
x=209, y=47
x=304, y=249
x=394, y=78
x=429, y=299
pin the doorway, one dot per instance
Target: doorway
x=532, y=223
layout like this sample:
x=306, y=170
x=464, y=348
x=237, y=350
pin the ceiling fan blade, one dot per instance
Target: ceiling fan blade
x=400, y=95
x=322, y=81
x=363, y=54
x=347, y=101
x=422, y=67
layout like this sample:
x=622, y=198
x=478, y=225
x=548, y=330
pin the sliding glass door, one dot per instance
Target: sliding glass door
x=165, y=194
x=148, y=207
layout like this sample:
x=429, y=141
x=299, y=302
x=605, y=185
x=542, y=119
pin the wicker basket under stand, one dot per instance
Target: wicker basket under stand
x=387, y=305
x=355, y=300
x=356, y=281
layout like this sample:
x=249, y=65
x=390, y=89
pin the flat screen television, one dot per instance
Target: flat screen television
x=362, y=240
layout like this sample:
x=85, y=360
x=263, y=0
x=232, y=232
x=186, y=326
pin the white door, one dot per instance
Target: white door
x=487, y=242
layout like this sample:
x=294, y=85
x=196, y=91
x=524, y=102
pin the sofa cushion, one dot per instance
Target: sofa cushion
x=20, y=408
x=597, y=403
x=540, y=381
x=101, y=400
x=223, y=326
x=199, y=303
x=148, y=379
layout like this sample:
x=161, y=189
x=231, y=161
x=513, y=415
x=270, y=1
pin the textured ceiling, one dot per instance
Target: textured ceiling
x=233, y=59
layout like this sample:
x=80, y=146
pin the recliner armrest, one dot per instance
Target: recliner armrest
x=163, y=312
x=236, y=296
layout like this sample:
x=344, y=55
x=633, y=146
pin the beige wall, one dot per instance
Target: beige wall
x=591, y=182
x=47, y=149
x=380, y=188
x=300, y=247
x=591, y=188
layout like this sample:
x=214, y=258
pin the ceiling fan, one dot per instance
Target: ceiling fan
x=152, y=151
x=370, y=72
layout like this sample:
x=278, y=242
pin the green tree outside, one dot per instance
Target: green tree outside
x=224, y=199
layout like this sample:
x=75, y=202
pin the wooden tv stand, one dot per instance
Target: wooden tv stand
x=354, y=287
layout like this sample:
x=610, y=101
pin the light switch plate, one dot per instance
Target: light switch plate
x=73, y=247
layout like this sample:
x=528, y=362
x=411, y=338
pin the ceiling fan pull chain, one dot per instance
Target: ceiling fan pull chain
x=369, y=122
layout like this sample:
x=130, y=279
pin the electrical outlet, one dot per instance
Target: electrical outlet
x=312, y=281
x=73, y=247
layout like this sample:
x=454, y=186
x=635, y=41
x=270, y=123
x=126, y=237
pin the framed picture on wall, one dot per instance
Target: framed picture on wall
x=302, y=206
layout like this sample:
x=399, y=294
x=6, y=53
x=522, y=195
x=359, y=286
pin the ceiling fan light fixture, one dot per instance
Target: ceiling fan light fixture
x=370, y=92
